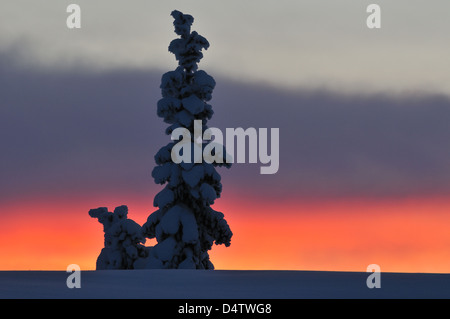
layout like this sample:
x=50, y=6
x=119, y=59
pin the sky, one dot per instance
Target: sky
x=363, y=117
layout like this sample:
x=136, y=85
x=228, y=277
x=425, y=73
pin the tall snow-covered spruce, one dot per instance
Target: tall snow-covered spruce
x=184, y=225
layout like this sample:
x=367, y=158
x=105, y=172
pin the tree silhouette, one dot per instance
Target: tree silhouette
x=123, y=238
x=184, y=225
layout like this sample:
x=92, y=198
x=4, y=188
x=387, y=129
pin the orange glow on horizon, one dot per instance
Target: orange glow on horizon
x=409, y=235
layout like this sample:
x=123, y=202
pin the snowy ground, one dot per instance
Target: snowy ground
x=192, y=284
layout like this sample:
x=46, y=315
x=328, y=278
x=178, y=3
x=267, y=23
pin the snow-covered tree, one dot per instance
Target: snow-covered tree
x=185, y=225
x=123, y=238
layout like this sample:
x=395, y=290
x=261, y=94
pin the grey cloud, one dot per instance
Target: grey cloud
x=335, y=145
x=67, y=132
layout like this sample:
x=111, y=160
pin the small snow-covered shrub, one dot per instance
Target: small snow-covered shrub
x=123, y=239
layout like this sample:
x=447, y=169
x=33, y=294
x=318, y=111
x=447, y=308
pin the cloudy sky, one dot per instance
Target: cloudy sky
x=285, y=43
x=363, y=117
